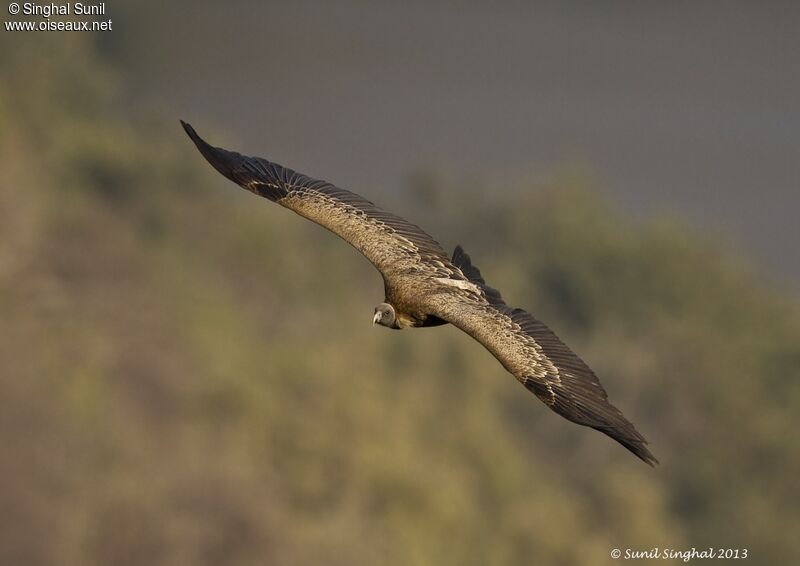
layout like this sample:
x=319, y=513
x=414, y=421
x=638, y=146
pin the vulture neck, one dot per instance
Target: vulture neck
x=405, y=320
x=402, y=320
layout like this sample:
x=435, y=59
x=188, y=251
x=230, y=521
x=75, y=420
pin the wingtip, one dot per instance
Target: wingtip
x=648, y=458
x=640, y=450
x=624, y=432
x=222, y=160
x=190, y=132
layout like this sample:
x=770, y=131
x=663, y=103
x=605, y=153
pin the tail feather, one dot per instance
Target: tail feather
x=462, y=261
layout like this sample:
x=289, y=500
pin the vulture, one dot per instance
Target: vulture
x=424, y=286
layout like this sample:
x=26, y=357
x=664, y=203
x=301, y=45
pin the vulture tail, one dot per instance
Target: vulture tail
x=462, y=261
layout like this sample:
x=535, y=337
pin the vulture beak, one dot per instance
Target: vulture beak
x=376, y=318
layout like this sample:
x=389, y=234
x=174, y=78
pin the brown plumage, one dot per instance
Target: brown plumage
x=426, y=287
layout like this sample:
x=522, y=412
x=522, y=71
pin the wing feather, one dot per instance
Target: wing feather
x=390, y=242
x=532, y=352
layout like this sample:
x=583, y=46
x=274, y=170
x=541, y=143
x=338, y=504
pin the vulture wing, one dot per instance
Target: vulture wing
x=525, y=346
x=536, y=357
x=392, y=244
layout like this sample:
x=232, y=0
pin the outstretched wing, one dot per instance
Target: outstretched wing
x=536, y=357
x=391, y=243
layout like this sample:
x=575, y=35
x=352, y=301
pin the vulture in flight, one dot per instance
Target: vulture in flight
x=425, y=286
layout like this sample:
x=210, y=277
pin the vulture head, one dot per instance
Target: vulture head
x=385, y=316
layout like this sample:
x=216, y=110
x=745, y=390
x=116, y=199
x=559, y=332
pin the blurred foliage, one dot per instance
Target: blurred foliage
x=188, y=375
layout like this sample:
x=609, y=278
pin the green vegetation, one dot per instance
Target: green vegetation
x=189, y=375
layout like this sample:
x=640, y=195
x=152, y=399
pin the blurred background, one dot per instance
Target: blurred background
x=189, y=375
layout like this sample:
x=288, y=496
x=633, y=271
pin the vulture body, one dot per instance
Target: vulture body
x=424, y=286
